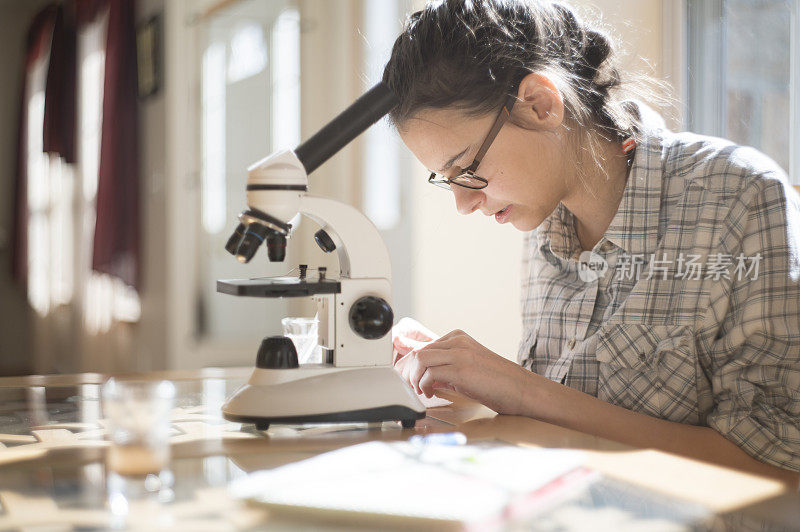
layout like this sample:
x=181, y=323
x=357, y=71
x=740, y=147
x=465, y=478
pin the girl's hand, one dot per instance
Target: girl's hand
x=456, y=361
x=409, y=334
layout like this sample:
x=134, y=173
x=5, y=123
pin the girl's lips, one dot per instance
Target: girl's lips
x=502, y=216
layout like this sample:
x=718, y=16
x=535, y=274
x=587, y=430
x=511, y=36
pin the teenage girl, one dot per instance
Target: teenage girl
x=661, y=285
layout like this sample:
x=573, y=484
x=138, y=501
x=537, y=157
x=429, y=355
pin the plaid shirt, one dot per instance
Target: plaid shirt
x=692, y=310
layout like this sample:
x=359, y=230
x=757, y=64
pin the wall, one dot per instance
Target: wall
x=649, y=37
x=465, y=270
x=331, y=80
x=127, y=347
x=15, y=316
x=149, y=349
x=142, y=346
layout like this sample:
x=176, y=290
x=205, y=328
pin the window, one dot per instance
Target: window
x=248, y=69
x=743, y=79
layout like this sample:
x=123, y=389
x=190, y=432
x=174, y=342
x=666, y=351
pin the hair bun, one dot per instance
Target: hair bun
x=597, y=50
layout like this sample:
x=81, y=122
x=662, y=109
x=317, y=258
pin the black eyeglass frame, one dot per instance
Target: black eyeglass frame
x=445, y=182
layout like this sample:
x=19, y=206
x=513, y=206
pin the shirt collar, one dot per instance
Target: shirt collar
x=558, y=233
x=634, y=227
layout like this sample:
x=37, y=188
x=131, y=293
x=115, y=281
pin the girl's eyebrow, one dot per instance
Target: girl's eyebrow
x=453, y=159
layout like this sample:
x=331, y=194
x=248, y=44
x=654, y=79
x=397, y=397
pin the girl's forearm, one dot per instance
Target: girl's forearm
x=561, y=405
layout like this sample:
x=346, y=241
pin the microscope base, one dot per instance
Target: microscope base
x=317, y=394
x=405, y=415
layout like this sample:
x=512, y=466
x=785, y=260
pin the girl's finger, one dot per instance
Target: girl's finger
x=447, y=341
x=423, y=361
x=435, y=355
x=436, y=377
x=400, y=363
x=406, y=365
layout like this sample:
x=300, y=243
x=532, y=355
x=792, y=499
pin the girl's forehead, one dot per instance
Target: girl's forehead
x=445, y=128
x=434, y=136
x=439, y=120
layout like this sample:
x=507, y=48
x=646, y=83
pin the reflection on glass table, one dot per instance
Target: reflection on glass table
x=53, y=442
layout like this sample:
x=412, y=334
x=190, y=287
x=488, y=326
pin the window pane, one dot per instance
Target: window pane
x=239, y=112
x=758, y=75
x=213, y=174
x=381, y=155
x=740, y=72
x=286, y=80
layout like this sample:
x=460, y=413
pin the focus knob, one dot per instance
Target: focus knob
x=371, y=317
x=277, y=352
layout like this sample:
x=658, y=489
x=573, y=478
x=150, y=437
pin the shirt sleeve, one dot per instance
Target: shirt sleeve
x=755, y=351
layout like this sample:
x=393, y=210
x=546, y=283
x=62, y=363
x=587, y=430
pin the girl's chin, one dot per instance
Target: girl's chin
x=525, y=224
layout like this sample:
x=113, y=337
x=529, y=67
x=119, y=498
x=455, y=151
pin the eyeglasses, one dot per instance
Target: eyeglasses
x=466, y=178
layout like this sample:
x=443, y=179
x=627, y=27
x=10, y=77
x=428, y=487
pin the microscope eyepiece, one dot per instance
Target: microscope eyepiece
x=254, y=236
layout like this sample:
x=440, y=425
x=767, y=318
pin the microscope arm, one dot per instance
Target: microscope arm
x=359, y=246
x=277, y=190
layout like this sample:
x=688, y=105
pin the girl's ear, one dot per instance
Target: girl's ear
x=540, y=105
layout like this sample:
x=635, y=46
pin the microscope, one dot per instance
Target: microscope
x=356, y=381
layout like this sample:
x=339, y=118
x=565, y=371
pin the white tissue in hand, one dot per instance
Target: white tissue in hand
x=434, y=401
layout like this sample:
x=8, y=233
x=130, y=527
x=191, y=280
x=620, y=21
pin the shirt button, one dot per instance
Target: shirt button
x=571, y=343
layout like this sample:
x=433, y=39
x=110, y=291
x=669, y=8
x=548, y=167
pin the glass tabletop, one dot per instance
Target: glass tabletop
x=53, y=473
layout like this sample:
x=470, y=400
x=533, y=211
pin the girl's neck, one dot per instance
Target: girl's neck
x=595, y=196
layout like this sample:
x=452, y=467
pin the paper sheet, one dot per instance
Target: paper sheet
x=463, y=483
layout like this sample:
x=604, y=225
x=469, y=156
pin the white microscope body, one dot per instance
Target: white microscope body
x=356, y=380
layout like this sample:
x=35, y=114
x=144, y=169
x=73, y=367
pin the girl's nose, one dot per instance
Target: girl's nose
x=467, y=200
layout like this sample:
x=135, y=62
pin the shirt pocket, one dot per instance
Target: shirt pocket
x=650, y=369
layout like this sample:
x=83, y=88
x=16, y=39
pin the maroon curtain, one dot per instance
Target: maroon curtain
x=38, y=38
x=116, y=239
x=60, y=104
x=116, y=236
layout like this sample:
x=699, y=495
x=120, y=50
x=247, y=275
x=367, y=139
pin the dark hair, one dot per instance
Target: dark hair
x=471, y=54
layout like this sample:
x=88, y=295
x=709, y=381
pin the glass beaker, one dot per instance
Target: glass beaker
x=303, y=332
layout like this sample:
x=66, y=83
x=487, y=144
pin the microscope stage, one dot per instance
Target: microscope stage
x=278, y=287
